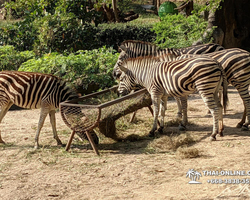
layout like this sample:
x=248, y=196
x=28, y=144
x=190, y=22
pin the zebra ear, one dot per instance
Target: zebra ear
x=124, y=69
x=123, y=48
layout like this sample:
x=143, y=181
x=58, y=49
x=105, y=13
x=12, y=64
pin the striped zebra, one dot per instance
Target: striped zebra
x=33, y=90
x=236, y=64
x=137, y=48
x=178, y=79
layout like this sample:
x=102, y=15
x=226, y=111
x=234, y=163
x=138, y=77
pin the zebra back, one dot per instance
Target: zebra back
x=29, y=90
x=135, y=48
x=200, y=49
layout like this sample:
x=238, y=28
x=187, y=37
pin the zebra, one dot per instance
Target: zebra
x=33, y=90
x=236, y=64
x=178, y=79
x=136, y=48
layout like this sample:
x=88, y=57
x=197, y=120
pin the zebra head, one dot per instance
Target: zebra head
x=127, y=83
x=122, y=57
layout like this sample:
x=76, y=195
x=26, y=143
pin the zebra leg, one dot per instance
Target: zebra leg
x=4, y=110
x=220, y=114
x=182, y=125
x=212, y=106
x=43, y=114
x=53, y=124
x=156, y=104
x=163, y=108
x=179, y=113
x=240, y=124
x=244, y=94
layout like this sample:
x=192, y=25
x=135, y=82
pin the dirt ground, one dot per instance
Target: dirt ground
x=124, y=170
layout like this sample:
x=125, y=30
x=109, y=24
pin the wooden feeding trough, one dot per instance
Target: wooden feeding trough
x=100, y=109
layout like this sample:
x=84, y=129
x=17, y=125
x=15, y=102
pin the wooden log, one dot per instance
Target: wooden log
x=107, y=125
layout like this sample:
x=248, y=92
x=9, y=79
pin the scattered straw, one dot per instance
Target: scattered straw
x=168, y=143
x=187, y=152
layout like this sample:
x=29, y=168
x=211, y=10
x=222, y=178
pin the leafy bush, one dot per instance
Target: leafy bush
x=21, y=35
x=10, y=59
x=50, y=25
x=113, y=34
x=60, y=32
x=176, y=31
x=80, y=69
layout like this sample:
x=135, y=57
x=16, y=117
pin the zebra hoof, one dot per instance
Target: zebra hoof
x=160, y=130
x=151, y=134
x=239, y=125
x=244, y=128
x=59, y=143
x=221, y=134
x=182, y=127
x=212, y=138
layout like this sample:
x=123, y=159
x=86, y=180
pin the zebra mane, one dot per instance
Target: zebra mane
x=137, y=48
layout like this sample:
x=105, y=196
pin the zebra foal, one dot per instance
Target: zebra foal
x=33, y=90
x=178, y=79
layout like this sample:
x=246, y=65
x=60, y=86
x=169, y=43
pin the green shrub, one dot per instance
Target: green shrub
x=63, y=32
x=21, y=35
x=112, y=35
x=176, y=31
x=10, y=59
x=50, y=25
x=80, y=69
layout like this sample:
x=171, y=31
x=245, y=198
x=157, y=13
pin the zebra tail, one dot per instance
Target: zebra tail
x=225, y=93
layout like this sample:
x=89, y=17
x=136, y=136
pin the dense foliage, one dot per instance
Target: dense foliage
x=65, y=26
x=176, y=31
x=48, y=25
x=58, y=33
x=10, y=59
x=81, y=69
x=113, y=34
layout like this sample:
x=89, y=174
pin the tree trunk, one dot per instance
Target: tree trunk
x=115, y=10
x=157, y=4
x=232, y=24
x=234, y=20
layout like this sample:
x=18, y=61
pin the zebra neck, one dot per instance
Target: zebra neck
x=143, y=73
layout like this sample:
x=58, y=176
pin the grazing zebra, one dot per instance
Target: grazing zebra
x=134, y=48
x=178, y=79
x=137, y=48
x=33, y=90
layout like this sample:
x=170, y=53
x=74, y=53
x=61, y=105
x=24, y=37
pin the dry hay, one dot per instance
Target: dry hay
x=174, y=143
x=187, y=152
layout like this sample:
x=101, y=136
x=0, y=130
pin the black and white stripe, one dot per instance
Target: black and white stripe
x=137, y=48
x=33, y=90
x=178, y=79
x=236, y=64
